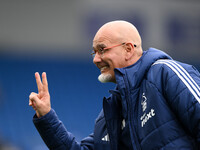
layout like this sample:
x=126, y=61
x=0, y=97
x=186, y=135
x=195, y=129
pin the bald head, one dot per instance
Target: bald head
x=119, y=31
x=113, y=48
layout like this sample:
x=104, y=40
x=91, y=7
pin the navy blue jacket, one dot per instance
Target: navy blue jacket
x=158, y=98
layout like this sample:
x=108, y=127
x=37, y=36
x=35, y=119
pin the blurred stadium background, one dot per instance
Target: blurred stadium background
x=56, y=37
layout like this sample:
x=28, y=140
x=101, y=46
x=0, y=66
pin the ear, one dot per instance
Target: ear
x=129, y=50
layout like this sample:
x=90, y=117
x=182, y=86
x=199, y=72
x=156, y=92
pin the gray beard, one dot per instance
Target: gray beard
x=103, y=78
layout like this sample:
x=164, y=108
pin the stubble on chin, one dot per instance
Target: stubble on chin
x=104, y=78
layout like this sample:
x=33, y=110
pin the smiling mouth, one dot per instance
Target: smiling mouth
x=103, y=69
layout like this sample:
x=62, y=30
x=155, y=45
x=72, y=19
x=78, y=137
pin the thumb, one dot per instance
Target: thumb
x=33, y=97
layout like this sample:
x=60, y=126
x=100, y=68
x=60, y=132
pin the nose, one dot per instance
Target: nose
x=97, y=58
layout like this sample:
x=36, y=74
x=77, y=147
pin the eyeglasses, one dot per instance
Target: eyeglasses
x=101, y=51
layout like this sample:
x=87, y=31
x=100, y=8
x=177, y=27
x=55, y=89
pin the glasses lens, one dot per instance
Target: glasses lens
x=93, y=54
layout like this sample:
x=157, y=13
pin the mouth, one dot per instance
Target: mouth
x=104, y=69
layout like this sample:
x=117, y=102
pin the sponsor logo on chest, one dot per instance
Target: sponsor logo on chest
x=146, y=116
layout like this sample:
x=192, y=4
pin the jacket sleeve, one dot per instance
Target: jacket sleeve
x=55, y=135
x=181, y=88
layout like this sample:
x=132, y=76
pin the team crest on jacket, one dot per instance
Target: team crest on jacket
x=146, y=116
x=144, y=102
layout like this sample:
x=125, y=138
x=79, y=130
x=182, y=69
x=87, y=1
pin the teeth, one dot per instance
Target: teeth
x=103, y=68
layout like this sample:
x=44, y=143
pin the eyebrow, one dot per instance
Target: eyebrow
x=99, y=46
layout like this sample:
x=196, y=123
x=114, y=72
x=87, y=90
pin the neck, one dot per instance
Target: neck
x=135, y=57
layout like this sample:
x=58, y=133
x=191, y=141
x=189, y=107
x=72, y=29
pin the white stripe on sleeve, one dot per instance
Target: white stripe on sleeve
x=183, y=75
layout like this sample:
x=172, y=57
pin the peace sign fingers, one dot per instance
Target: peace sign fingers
x=42, y=85
x=41, y=101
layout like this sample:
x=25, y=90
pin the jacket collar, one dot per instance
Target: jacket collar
x=136, y=72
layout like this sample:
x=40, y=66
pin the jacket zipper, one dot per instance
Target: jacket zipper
x=131, y=128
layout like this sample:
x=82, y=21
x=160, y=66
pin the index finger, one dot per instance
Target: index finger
x=38, y=81
x=45, y=82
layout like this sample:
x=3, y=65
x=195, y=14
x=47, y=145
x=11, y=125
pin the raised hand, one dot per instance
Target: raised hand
x=40, y=101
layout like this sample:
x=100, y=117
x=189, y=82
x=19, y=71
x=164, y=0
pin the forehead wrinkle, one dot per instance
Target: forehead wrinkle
x=101, y=41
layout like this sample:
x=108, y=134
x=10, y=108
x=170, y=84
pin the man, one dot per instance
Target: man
x=155, y=105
